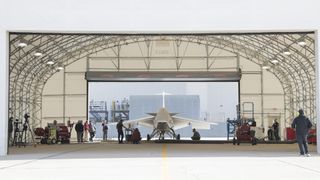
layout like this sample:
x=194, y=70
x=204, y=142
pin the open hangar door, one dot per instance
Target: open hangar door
x=47, y=71
x=202, y=96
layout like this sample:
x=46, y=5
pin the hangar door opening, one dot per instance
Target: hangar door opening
x=204, y=101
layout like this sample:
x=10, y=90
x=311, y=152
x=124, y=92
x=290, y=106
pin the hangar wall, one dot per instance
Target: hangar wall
x=64, y=95
x=147, y=16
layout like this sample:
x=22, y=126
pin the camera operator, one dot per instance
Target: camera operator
x=26, y=121
x=17, y=135
x=10, y=128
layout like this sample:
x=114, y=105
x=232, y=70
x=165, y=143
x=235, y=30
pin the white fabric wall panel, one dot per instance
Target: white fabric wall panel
x=201, y=64
x=160, y=64
x=78, y=66
x=132, y=49
x=76, y=83
x=101, y=65
x=246, y=65
x=54, y=85
x=250, y=83
x=228, y=64
x=132, y=63
x=52, y=106
x=273, y=102
x=271, y=84
x=193, y=49
x=255, y=99
x=76, y=106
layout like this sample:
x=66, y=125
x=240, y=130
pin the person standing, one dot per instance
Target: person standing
x=79, y=129
x=10, y=129
x=92, y=131
x=275, y=127
x=302, y=124
x=86, y=131
x=105, y=130
x=120, y=131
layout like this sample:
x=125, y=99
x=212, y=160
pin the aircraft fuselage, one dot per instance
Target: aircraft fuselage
x=163, y=121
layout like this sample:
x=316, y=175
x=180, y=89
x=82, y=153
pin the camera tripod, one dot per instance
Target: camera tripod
x=21, y=135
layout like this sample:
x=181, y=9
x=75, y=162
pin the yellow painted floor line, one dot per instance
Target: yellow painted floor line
x=165, y=175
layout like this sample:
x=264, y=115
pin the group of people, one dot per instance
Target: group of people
x=301, y=124
x=273, y=132
x=84, y=131
x=135, y=136
x=88, y=130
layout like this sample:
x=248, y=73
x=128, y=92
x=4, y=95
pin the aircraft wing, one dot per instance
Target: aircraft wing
x=146, y=121
x=181, y=122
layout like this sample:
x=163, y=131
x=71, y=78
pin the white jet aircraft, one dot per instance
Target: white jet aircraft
x=164, y=122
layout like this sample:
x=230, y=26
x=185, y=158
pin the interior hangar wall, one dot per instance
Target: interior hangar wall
x=65, y=98
x=200, y=16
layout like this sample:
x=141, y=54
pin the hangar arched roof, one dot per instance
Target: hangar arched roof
x=289, y=56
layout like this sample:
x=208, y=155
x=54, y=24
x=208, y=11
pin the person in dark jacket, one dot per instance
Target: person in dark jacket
x=79, y=129
x=275, y=127
x=196, y=134
x=120, y=131
x=105, y=130
x=302, y=124
x=136, y=136
x=10, y=128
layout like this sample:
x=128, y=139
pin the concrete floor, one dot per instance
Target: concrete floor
x=153, y=161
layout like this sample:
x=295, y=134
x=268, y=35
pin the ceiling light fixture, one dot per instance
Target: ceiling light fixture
x=286, y=52
x=265, y=67
x=60, y=66
x=38, y=54
x=50, y=62
x=274, y=61
x=22, y=44
x=302, y=42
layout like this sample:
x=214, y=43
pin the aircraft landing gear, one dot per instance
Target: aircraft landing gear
x=161, y=136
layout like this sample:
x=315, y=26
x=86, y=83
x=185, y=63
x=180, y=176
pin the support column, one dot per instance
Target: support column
x=317, y=51
x=4, y=92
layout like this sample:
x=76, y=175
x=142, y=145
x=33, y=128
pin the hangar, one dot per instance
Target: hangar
x=44, y=65
x=49, y=73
